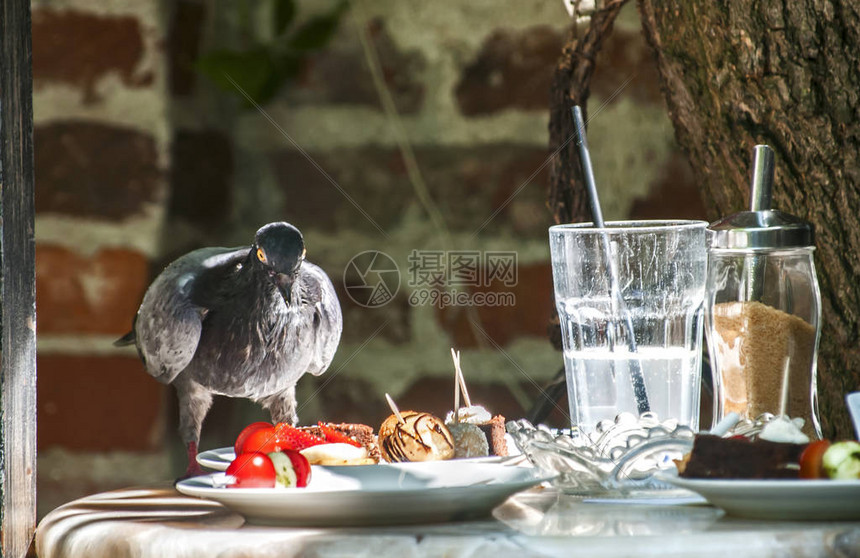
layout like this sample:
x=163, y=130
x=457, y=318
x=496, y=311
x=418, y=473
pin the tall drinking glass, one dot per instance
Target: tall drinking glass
x=630, y=300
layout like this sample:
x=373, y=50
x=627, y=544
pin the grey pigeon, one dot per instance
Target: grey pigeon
x=242, y=322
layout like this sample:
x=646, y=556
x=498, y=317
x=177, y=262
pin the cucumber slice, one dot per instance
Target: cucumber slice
x=285, y=475
x=842, y=460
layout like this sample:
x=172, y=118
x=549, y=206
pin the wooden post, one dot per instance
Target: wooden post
x=17, y=273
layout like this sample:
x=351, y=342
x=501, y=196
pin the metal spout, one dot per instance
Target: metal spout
x=761, y=188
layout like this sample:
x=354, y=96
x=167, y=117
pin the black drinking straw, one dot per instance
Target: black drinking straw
x=639, y=391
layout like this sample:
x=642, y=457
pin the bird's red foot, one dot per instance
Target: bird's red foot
x=193, y=468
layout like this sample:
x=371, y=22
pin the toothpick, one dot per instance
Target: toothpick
x=729, y=421
x=462, y=381
x=394, y=408
x=783, y=405
x=456, y=389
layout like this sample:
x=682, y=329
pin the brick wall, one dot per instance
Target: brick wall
x=140, y=158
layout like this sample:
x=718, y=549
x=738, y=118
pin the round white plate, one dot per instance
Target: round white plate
x=777, y=499
x=219, y=459
x=216, y=459
x=375, y=494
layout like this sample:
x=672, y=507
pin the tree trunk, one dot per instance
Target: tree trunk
x=787, y=74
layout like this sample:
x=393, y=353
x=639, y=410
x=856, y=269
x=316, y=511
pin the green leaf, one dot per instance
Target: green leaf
x=285, y=12
x=251, y=71
x=317, y=31
x=287, y=65
x=269, y=89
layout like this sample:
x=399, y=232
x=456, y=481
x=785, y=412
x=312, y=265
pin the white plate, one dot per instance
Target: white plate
x=375, y=494
x=219, y=459
x=216, y=459
x=777, y=499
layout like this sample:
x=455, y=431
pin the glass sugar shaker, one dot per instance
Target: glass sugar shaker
x=763, y=310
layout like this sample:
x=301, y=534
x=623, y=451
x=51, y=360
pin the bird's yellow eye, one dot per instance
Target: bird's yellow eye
x=261, y=255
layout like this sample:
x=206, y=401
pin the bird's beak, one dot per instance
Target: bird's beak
x=284, y=282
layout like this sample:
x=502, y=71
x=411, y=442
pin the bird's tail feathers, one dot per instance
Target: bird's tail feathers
x=125, y=340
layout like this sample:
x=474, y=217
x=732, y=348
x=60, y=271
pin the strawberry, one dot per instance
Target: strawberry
x=292, y=437
x=336, y=437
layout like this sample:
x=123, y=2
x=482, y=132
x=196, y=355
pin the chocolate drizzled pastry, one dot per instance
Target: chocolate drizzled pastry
x=714, y=457
x=421, y=437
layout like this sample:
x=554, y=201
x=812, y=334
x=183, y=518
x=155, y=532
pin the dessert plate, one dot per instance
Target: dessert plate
x=777, y=499
x=374, y=494
x=219, y=459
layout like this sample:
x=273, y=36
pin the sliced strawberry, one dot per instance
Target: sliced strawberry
x=292, y=437
x=335, y=436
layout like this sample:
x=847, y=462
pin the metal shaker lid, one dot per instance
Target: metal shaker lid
x=761, y=227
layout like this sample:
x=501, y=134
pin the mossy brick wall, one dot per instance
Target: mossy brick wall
x=139, y=159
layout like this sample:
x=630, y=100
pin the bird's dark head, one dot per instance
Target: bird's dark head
x=279, y=250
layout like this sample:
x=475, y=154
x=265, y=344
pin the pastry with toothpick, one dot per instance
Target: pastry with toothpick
x=491, y=427
x=469, y=440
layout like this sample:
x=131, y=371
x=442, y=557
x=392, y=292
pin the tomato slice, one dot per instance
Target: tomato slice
x=247, y=431
x=810, y=460
x=263, y=440
x=252, y=470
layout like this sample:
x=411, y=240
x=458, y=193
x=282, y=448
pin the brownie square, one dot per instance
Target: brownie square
x=714, y=457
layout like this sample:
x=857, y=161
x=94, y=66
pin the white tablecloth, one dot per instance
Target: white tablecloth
x=158, y=522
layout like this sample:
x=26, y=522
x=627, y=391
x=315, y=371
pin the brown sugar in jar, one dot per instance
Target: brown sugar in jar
x=752, y=342
x=764, y=307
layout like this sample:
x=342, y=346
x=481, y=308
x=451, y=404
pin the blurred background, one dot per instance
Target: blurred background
x=392, y=126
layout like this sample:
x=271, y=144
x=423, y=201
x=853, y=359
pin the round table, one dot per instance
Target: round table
x=157, y=521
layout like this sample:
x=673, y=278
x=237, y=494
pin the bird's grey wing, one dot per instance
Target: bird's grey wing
x=323, y=317
x=170, y=319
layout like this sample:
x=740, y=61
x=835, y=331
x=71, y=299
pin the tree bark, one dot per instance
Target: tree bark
x=736, y=74
x=787, y=74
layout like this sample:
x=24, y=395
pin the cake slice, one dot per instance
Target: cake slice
x=495, y=432
x=714, y=457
